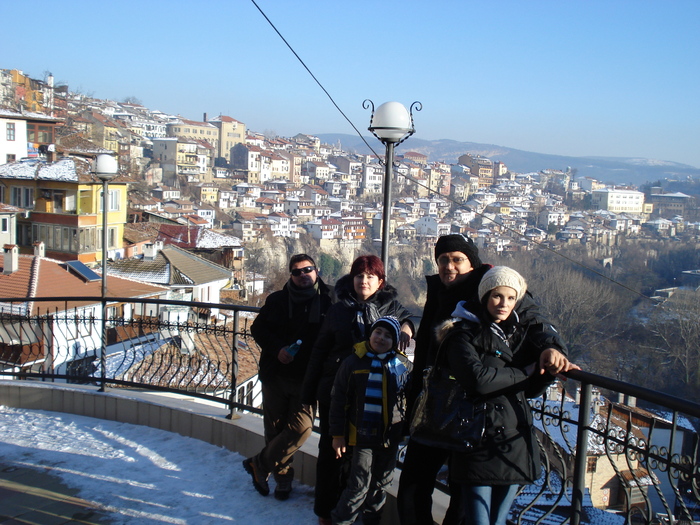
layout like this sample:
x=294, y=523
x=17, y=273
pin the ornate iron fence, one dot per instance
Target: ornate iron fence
x=639, y=465
x=606, y=460
x=198, y=349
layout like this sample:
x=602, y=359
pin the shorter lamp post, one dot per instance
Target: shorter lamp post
x=391, y=123
x=106, y=168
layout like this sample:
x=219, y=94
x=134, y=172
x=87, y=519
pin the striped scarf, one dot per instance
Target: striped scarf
x=384, y=367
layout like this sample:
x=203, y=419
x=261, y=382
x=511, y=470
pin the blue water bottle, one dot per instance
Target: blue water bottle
x=294, y=348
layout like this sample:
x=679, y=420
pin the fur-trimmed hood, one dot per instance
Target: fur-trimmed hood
x=459, y=314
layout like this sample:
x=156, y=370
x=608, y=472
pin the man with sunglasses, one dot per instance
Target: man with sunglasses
x=294, y=313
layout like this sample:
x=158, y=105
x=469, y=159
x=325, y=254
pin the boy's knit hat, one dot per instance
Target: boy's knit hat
x=457, y=242
x=391, y=323
x=502, y=276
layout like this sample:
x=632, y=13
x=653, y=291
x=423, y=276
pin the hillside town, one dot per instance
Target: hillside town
x=213, y=185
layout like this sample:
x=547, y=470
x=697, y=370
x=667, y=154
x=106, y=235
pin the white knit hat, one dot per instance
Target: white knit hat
x=502, y=276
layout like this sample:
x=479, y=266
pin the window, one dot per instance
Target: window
x=28, y=197
x=10, y=131
x=65, y=243
x=16, y=196
x=40, y=134
x=111, y=315
x=5, y=225
x=10, y=158
x=114, y=200
x=112, y=241
x=24, y=235
x=87, y=239
x=22, y=197
x=592, y=463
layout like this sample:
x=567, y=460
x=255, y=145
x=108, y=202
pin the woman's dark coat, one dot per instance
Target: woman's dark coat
x=341, y=330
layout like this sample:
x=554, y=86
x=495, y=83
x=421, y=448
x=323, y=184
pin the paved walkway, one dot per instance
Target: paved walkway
x=31, y=496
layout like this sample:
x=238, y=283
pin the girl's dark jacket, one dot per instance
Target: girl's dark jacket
x=492, y=370
x=441, y=302
x=344, y=326
x=347, y=413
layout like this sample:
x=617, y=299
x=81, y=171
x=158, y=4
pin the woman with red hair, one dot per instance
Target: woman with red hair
x=363, y=297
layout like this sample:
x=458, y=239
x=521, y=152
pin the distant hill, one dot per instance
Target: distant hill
x=606, y=169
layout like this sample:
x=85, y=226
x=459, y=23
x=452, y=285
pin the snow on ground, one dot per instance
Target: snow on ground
x=144, y=475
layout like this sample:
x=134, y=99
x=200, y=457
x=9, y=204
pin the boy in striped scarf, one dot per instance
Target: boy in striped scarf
x=368, y=410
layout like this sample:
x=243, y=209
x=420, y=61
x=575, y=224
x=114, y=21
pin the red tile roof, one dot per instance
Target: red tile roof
x=51, y=278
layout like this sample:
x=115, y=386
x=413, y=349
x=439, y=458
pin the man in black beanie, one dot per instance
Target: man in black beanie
x=459, y=273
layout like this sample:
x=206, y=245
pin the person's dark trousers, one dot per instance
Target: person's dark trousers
x=420, y=469
x=287, y=425
x=371, y=474
x=331, y=473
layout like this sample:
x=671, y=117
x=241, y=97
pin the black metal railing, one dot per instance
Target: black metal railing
x=611, y=452
x=640, y=465
x=199, y=349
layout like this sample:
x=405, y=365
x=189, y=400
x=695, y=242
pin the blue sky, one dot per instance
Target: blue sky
x=599, y=78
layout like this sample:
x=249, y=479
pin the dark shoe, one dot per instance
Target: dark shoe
x=259, y=482
x=324, y=521
x=283, y=485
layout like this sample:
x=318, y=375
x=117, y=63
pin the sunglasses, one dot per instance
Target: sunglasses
x=296, y=272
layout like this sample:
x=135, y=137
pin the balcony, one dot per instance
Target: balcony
x=630, y=456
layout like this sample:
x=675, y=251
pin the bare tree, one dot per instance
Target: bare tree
x=675, y=329
x=587, y=310
x=132, y=100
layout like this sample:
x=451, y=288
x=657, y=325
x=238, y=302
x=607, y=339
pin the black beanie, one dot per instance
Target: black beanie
x=457, y=242
x=392, y=324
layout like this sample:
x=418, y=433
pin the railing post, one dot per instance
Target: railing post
x=580, y=461
x=234, y=364
x=103, y=351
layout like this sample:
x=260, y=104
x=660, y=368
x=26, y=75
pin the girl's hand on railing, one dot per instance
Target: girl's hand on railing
x=554, y=362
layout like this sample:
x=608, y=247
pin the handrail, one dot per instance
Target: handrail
x=640, y=392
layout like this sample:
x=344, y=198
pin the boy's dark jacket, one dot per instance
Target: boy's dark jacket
x=348, y=401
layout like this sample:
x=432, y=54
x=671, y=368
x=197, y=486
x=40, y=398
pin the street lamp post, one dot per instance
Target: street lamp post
x=106, y=168
x=391, y=123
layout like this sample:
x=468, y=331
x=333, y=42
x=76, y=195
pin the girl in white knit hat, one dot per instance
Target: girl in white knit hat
x=490, y=351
